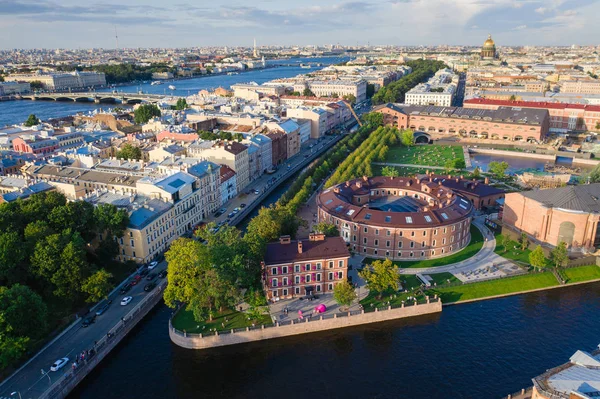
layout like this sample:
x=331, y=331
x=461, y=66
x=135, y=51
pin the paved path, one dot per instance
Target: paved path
x=486, y=257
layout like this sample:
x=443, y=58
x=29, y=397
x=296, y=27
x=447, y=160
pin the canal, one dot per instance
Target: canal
x=479, y=350
x=12, y=112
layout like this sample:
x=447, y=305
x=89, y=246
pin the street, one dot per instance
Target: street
x=31, y=383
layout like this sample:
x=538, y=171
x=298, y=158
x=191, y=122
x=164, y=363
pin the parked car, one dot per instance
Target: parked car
x=236, y=210
x=149, y=286
x=59, y=364
x=218, y=213
x=162, y=274
x=103, y=308
x=125, y=301
x=256, y=192
x=242, y=206
x=88, y=321
x=152, y=265
x=230, y=215
x=125, y=288
x=136, y=279
x=144, y=272
x=151, y=276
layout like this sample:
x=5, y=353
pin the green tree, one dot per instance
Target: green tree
x=524, y=241
x=145, y=112
x=344, y=293
x=308, y=93
x=407, y=138
x=257, y=305
x=97, y=286
x=238, y=137
x=111, y=220
x=205, y=135
x=22, y=312
x=594, y=175
x=129, y=151
x=389, y=171
x=181, y=104
x=32, y=120
x=370, y=90
x=498, y=169
x=212, y=294
x=184, y=262
x=274, y=222
x=537, y=258
x=351, y=98
x=506, y=242
x=459, y=164
x=12, y=258
x=380, y=276
x=11, y=348
x=36, y=85
x=476, y=172
x=449, y=165
x=559, y=255
x=329, y=229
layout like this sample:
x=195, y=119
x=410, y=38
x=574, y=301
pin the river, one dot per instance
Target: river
x=12, y=112
x=479, y=350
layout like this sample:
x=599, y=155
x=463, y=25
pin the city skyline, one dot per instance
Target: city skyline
x=48, y=24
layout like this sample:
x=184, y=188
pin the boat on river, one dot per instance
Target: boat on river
x=156, y=83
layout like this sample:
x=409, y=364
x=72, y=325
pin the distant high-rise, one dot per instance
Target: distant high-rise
x=255, y=52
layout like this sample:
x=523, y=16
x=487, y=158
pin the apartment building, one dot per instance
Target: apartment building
x=294, y=268
x=62, y=81
x=228, y=183
x=327, y=88
x=318, y=119
x=292, y=131
x=10, y=88
x=230, y=153
x=580, y=86
x=439, y=90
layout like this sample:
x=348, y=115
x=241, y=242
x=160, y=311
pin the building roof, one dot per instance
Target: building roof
x=583, y=198
x=329, y=248
x=173, y=183
x=533, y=104
x=581, y=376
x=226, y=173
x=234, y=147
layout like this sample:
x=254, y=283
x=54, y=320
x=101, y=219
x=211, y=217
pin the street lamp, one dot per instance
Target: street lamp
x=14, y=393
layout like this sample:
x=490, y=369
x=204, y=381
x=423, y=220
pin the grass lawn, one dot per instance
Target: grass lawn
x=395, y=298
x=431, y=155
x=468, y=251
x=410, y=281
x=496, y=287
x=405, y=171
x=512, y=253
x=581, y=273
x=184, y=320
x=442, y=278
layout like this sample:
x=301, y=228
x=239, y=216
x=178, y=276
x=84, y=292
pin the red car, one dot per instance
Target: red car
x=136, y=279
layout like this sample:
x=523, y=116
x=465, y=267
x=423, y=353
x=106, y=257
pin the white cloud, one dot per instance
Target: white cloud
x=541, y=10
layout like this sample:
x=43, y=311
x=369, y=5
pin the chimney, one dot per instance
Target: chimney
x=299, y=246
x=316, y=237
x=285, y=239
x=487, y=180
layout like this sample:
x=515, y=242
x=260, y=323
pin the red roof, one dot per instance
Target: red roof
x=532, y=104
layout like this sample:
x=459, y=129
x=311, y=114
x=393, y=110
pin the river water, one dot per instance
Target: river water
x=479, y=350
x=12, y=112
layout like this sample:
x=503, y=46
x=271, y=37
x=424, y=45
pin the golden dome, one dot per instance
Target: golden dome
x=489, y=42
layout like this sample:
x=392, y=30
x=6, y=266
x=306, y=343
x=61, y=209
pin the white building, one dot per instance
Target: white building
x=439, y=90
x=62, y=81
x=326, y=88
x=317, y=116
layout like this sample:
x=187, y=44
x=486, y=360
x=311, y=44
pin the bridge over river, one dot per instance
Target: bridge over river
x=97, y=97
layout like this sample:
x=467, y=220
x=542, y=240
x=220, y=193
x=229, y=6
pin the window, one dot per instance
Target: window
x=424, y=233
x=444, y=216
x=318, y=276
x=376, y=232
x=307, y=267
x=284, y=270
x=399, y=244
x=330, y=276
x=132, y=243
x=453, y=228
x=400, y=234
x=319, y=266
x=330, y=287
x=423, y=244
x=365, y=241
x=376, y=243
x=297, y=290
x=273, y=271
x=274, y=282
x=409, y=219
x=388, y=233
x=422, y=254
x=297, y=279
x=412, y=244
x=433, y=243
x=340, y=275
x=318, y=288
x=428, y=218
x=274, y=293
x=368, y=216
x=412, y=233
x=388, y=243
x=285, y=292
x=366, y=230
x=307, y=278
x=341, y=263
x=297, y=268
x=399, y=254
x=331, y=264
x=285, y=281
x=354, y=238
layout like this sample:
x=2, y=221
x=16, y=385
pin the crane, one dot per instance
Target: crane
x=353, y=113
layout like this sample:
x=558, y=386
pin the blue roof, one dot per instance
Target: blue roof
x=203, y=168
x=172, y=183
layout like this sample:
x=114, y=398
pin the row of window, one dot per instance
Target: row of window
x=412, y=254
x=307, y=278
x=412, y=243
x=275, y=270
x=285, y=291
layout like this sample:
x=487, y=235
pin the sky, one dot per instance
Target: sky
x=177, y=23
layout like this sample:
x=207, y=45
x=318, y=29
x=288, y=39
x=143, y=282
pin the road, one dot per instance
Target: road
x=30, y=382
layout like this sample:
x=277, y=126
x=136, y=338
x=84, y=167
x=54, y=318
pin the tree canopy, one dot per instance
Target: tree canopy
x=537, y=258
x=145, y=112
x=344, y=293
x=32, y=120
x=498, y=169
x=395, y=91
x=380, y=276
x=130, y=151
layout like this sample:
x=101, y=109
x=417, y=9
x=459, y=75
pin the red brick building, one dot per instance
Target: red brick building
x=570, y=214
x=504, y=123
x=279, y=147
x=563, y=117
x=405, y=218
x=295, y=268
x=36, y=145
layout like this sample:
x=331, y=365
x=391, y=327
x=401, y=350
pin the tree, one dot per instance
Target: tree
x=512, y=98
x=97, y=286
x=274, y=222
x=524, y=241
x=459, y=164
x=181, y=104
x=11, y=349
x=145, y=112
x=537, y=258
x=12, y=258
x=594, y=175
x=375, y=119
x=206, y=135
x=238, y=137
x=506, y=241
x=407, y=138
x=111, y=220
x=476, y=172
x=380, y=276
x=183, y=269
x=559, y=254
x=129, y=151
x=32, y=120
x=258, y=303
x=389, y=171
x=449, y=165
x=36, y=85
x=22, y=311
x=370, y=90
x=211, y=294
x=498, y=169
x=351, y=98
x=308, y=93
x=329, y=229
x=344, y=293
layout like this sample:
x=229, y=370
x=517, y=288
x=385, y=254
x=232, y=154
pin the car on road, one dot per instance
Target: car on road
x=306, y=156
x=144, y=272
x=125, y=288
x=136, y=279
x=242, y=206
x=162, y=274
x=59, y=364
x=103, y=308
x=149, y=286
x=125, y=301
x=152, y=265
x=151, y=276
x=88, y=321
x=231, y=215
x=256, y=192
x=236, y=210
x=218, y=213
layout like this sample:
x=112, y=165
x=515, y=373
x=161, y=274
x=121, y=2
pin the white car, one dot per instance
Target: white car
x=152, y=265
x=59, y=364
x=125, y=301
